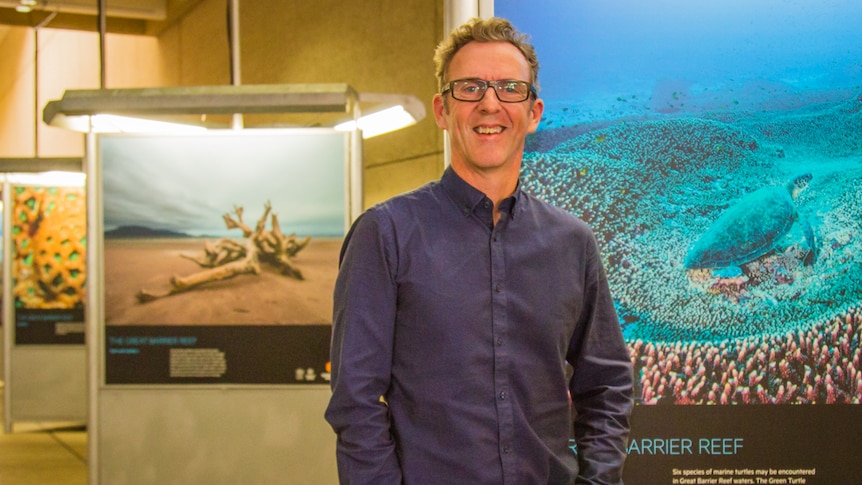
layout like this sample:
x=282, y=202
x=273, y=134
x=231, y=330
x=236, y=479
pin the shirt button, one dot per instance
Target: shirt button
x=503, y=395
x=498, y=288
x=500, y=341
x=506, y=448
x=487, y=204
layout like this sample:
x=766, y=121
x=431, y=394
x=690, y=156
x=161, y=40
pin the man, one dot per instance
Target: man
x=474, y=333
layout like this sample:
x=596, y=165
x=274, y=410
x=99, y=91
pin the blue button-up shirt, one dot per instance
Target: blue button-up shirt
x=458, y=342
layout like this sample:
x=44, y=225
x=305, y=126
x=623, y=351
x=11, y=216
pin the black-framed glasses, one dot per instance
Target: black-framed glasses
x=472, y=90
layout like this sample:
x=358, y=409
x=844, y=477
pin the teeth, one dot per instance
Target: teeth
x=485, y=130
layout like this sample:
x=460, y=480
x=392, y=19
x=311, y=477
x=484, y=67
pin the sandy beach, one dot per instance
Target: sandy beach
x=268, y=298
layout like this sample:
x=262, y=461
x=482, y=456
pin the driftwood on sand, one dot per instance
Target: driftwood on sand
x=228, y=257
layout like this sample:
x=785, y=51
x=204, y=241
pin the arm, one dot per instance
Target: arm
x=361, y=353
x=601, y=386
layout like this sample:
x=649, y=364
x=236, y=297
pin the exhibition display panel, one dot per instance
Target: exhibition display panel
x=220, y=255
x=217, y=256
x=44, y=294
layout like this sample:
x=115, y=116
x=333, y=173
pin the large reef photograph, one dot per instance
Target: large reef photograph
x=718, y=159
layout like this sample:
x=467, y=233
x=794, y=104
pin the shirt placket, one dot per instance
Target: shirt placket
x=502, y=360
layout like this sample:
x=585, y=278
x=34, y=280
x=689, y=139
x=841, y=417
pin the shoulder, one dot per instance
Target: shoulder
x=413, y=200
x=409, y=207
x=399, y=211
x=383, y=227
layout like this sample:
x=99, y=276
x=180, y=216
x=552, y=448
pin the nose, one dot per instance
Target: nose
x=490, y=101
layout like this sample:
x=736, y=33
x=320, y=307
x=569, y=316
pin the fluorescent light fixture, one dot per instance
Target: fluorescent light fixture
x=39, y=165
x=81, y=110
x=105, y=123
x=48, y=179
x=390, y=112
x=163, y=102
x=383, y=121
x=129, y=9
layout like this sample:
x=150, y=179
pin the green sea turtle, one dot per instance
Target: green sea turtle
x=751, y=228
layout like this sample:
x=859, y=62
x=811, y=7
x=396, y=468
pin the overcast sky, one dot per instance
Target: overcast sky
x=185, y=183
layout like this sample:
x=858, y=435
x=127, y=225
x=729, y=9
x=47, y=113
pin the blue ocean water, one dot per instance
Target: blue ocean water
x=619, y=57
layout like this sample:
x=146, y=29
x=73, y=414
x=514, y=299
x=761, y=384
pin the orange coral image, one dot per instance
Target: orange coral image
x=49, y=235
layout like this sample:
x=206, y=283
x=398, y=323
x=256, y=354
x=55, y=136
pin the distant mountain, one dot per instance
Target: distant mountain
x=141, y=232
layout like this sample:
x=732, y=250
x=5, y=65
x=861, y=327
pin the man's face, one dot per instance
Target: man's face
x=487, y=135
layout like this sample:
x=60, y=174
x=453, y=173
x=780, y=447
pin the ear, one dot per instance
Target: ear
x=439, y=110
x=536, y=111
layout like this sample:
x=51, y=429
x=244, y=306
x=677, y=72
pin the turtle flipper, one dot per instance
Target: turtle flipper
x=810, y=240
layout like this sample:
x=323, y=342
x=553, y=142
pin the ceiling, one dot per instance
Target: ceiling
x=144, y=17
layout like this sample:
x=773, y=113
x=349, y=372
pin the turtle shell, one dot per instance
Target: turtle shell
x=746, y=231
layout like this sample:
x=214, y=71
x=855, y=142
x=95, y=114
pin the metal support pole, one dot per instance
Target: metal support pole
x=236, y=121
x=103, y=5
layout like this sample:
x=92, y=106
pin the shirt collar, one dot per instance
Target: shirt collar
x=468, y=198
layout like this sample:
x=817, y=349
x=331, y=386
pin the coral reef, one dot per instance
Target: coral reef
x=49, y=236
x=820, y=365
x=650, y=188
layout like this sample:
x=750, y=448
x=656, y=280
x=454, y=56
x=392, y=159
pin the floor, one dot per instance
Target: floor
x=42, y=453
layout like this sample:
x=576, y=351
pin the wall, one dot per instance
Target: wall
x=17, y=101
x=65, y=59
x=383, y=46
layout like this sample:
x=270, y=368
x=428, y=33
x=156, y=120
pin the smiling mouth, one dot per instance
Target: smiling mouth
x=488, y=130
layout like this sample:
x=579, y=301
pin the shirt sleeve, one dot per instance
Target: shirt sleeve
x=361, y=355
x=602, y=380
